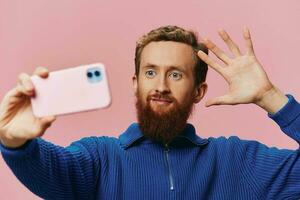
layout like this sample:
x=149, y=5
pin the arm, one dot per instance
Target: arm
x=288, y=118
x=275, y=172
x=272, y=173
x=50, y=171
x=54, y=172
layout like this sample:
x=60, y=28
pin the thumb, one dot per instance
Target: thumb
x=47, y=121
x=222, y=100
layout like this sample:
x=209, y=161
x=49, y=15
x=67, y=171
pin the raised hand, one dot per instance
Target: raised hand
x=248, y=82
x=17, y=122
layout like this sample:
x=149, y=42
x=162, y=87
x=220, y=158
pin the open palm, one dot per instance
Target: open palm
x=247, y=80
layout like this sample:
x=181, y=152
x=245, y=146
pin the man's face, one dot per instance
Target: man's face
x=165, y=88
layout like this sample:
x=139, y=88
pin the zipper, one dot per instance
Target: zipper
x=169, y=167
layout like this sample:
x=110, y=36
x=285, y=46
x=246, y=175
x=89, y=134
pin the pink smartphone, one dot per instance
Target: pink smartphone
x=72, y=90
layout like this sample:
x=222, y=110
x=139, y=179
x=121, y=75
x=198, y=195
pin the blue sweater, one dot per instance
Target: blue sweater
x=132, y=167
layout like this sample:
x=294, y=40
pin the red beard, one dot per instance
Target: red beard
x=162, y=127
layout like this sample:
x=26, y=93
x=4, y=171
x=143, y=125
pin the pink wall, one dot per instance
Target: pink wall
x=66, y=33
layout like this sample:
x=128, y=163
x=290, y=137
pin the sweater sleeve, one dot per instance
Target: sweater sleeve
x=288, y=118
x=276, y=172
x=54, y=172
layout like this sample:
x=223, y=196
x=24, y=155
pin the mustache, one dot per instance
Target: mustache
x=160, y=96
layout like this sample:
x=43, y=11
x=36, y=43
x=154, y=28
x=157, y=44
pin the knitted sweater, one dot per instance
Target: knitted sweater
x=190, y=167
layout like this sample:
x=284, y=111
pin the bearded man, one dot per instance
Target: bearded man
x=160, y=156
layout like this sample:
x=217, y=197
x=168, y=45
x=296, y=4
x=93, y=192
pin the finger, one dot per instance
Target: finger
x=249, y=45
x=46, y=123
x=231, y=45
x=42, y=129
x=13, y=93
x=21, y=91
x=41, y=71
x=222, y=100
x=12, y=99
x=216, y=50
x=25, y=83
x=203, y=56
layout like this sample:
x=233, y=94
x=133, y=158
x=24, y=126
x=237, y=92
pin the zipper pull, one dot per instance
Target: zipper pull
x=167, y=149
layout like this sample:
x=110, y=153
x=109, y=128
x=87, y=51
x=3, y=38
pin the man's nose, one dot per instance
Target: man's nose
x=162, y=86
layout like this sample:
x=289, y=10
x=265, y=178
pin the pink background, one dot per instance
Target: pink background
x=66, y=33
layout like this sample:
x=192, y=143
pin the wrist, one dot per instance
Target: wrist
x=12, y=143
x=272, y=100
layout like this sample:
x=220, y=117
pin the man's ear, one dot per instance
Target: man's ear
x=200, y=91
x=135, y=83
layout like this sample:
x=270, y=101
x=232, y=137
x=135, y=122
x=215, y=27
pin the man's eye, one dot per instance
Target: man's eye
x=176, y=75
x=150, y=73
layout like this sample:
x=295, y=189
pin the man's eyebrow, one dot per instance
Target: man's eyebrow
x=150, y=66
x=169, y=67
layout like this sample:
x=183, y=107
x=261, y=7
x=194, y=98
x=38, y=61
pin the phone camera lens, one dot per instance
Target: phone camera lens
x=97, y=73
x=90, y=74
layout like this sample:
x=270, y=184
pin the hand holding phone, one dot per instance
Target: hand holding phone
x=17, y=121
x=77, y=89
x=27, y=110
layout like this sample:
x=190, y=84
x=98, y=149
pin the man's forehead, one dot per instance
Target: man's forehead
x=167, y=54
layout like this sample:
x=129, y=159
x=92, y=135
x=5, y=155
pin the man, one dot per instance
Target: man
x=161, y=157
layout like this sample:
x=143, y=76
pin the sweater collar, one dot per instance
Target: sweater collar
x=134, y=133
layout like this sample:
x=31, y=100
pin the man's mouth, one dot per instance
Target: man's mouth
x=161, y=101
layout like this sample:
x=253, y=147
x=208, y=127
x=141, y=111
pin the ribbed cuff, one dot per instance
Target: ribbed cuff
x=288, y=113
x=26, y=148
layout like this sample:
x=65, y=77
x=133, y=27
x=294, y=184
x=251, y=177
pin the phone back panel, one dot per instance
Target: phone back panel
x=71, y=90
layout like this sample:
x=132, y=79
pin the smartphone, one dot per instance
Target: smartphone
x=71, y=90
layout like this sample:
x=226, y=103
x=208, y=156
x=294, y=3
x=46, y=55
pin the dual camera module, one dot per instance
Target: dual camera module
x=94, y=75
